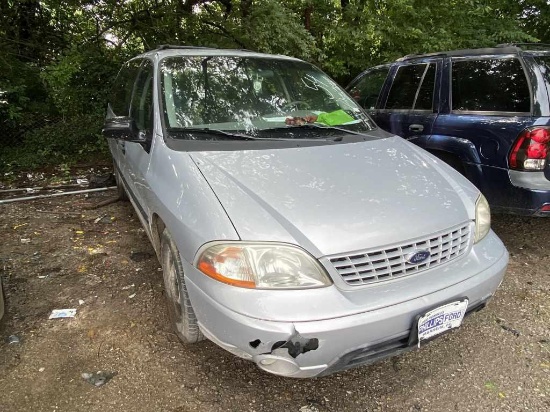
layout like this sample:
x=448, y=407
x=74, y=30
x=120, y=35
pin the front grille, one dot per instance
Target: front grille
x=384, y=264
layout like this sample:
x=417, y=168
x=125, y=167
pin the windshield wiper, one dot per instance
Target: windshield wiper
x=215, y=132
x=224, y=134
x=312, y=126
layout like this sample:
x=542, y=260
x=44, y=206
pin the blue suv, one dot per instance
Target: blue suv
x=486, y=112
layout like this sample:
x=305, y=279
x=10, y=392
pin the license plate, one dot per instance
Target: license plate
x=441, y=319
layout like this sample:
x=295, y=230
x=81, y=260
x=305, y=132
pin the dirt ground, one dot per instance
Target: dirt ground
x=57, y=254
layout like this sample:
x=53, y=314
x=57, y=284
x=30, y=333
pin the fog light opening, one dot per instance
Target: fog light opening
x=267, y=362
x=277, y=365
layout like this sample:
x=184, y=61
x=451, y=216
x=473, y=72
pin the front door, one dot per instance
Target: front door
x=119, y=105
x=367, y=87
x=409, y=108
x=137, y=155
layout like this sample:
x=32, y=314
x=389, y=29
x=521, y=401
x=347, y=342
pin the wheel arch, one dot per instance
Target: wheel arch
x=157, y=226
x=464, y=149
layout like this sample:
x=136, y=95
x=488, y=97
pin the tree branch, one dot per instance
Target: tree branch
x=225, y=32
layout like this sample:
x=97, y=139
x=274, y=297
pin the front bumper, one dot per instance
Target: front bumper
x=304, y=349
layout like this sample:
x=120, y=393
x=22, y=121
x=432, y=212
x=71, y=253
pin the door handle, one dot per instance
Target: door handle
x=122, y=145
x=416, y=128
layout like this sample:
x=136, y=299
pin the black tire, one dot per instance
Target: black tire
x=180, y=311
x=122, y=195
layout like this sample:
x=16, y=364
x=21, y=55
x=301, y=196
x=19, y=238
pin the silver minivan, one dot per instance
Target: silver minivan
x=291, y=230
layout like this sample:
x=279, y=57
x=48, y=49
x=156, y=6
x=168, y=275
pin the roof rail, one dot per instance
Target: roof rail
x=415, y=56
x=529, y=46
x=183, y=47
x=172, y=46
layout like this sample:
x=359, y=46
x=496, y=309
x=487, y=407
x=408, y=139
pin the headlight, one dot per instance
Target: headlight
x=483, y=218
x=262, y=265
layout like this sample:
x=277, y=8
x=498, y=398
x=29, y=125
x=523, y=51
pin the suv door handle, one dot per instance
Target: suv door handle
x=416, y=128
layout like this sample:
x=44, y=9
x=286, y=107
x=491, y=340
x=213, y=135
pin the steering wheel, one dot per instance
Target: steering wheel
x=294, y=104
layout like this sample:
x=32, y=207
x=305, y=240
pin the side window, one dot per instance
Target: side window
x=366, y=91
x=121, y=94
x=425, y=98
x=405, y=85
x=142, y=101
x=495, y=85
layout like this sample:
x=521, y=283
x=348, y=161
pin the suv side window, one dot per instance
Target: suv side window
x=490, y=85
x=121, y=94
x=367, y=89
x=413, y=87
x=142, y=101
x=425, y=98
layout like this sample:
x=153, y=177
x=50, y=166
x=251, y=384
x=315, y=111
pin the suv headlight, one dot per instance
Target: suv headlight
x=483, y=218
x=262, y=265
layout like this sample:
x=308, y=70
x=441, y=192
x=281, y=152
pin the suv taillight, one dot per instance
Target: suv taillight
x=530, y=149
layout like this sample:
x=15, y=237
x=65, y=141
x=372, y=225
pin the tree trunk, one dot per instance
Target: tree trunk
x=28, y=11
x=307, y=17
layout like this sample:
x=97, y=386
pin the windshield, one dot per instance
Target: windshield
x=252, y=96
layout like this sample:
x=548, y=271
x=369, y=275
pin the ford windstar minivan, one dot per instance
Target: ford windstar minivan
x=291, y=230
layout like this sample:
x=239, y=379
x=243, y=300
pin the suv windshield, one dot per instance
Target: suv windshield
x=252, y=95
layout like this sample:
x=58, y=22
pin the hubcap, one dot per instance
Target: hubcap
x=174, y=291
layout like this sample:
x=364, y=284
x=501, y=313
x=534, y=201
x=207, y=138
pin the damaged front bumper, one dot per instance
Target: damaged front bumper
x=307, y=349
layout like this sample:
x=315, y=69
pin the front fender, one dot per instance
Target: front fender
x=183, y=199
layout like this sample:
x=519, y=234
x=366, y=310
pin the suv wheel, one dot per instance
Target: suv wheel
x=180, y=311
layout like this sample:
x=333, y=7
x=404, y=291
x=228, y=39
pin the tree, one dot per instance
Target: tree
x=58, y=58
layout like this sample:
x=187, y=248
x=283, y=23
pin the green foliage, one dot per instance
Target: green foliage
x=60, y=142
x=79, y=80
x=270, y=20
x=58, y=58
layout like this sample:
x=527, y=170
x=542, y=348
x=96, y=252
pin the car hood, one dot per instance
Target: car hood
x=338, y=198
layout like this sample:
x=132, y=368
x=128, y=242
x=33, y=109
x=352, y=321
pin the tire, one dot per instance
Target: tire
x=181, y=314
x=122, y=195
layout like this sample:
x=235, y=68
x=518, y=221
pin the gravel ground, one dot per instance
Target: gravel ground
x=56, y=253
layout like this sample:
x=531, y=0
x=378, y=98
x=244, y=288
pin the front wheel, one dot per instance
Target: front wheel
x=180, y=311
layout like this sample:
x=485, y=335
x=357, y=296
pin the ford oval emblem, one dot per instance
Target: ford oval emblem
x=417, y=256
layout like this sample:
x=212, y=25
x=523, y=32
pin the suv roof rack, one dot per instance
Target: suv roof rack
x=511, y=46
x=526, y=46
x=414, y=56
x=501, y=48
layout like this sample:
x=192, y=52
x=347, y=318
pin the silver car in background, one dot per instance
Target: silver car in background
x=291, y=230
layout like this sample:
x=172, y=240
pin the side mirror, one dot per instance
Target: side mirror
x=123, y=128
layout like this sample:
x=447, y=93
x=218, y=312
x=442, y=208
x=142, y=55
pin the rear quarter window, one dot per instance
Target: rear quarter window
x=490, y=85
